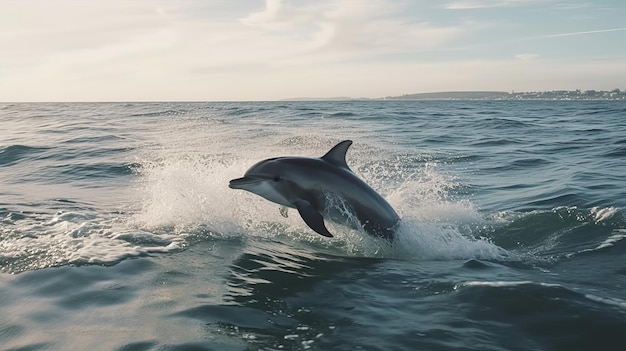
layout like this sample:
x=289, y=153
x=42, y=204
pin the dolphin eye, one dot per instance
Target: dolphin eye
x=277, y=179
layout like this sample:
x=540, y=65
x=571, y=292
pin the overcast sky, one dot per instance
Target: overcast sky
x=132, y=50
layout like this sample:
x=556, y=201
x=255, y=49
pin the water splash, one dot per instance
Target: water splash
x=73, y=236
x=190, y=197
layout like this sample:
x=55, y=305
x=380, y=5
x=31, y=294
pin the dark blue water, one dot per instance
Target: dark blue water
x=118, y=230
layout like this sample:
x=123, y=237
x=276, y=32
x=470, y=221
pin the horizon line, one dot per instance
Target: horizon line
x=328, y=98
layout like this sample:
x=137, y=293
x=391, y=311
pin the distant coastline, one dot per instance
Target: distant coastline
x=615, y=94
x=559, y=95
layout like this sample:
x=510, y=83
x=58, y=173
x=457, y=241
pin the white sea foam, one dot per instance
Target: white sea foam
x=432, y=222
x=504, y=284
x=76, y=237
x=601, y=214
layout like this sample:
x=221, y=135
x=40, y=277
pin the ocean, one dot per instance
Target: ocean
x=118, y=230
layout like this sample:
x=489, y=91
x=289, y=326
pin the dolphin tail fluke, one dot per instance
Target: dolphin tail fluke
x=312, y=217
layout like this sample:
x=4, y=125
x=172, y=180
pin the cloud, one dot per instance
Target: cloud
x=225, y=50
x=348, y=28
x=268, y=15
x=183, y=37
x=571, y=34
x=377, y=27
x=526, y=57
x=478, y=4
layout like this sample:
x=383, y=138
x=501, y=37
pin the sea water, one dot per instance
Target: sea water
x=118, y=230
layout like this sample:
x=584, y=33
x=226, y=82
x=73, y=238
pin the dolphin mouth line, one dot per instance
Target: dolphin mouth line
x=238, y=183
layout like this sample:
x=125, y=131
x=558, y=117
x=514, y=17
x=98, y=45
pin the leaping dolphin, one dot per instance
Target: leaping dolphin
x=305, y=183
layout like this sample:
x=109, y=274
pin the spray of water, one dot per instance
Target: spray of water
x=189, y=196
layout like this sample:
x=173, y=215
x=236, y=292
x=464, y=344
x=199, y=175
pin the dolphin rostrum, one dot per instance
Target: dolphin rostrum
x=306, y=184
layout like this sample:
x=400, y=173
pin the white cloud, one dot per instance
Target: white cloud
x=526, y=57
x=478, y=4
x=375, y=27
x=571, y=34
x=268, y=15
x=345, y=29
x=142, y=44
x=197, y=50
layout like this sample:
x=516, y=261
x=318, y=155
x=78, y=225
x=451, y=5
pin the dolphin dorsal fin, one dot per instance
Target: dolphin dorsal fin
x=337, y=155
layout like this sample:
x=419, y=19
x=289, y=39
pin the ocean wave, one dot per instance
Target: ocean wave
x=539, y=297
x=554, y=313
x=94, y=139
x=161, y=113
x=92, y=172
x=494, y=141
x=341, y=114
x=12, y=154
x=619, y=152
x=500, y=123
x=76, y=234
x=562, y=232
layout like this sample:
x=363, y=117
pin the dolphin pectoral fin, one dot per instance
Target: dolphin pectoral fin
x=284, y=211
x=312, y=217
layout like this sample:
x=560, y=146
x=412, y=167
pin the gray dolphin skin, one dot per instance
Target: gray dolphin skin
x=305, y=183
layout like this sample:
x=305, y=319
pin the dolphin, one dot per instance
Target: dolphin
x=306, y=183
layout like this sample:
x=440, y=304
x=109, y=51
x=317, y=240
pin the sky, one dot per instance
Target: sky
x=229, y=50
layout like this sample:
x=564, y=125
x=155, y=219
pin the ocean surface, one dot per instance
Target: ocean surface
x=118, y=230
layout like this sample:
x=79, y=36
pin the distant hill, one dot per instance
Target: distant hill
x=337, y=98
x=453, y=95
x=615, y=94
